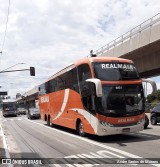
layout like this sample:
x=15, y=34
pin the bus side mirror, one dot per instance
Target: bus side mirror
x=97, y=85
x=88, y=93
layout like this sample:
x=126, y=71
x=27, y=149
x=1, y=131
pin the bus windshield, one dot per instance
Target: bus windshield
x=121, y=100
x=114, y=71
x=9, y=106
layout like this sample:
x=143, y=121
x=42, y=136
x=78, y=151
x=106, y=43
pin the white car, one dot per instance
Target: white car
x=21, y=110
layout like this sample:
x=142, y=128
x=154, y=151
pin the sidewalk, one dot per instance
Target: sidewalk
x=2, y=150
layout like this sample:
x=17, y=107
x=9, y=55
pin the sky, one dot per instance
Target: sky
x=51, y=34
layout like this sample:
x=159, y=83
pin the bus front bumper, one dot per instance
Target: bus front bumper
x=104, y=130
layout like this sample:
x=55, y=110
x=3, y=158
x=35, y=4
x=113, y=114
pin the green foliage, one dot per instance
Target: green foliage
x=153, y=96
x=150, y=98
x=157, y=94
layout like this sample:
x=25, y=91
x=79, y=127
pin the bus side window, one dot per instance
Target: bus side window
x=42, y=89
x=88, y=96
x=84, y=72
x=75, y=80
x=71, y=81
x=51, y=85
x=60, y=83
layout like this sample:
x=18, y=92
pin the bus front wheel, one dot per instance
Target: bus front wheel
x=80, y=129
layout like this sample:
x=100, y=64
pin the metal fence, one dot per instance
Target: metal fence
x=128, y=35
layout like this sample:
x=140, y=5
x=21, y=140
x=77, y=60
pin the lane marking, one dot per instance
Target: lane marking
x=94, y=143
x=5, y=146
x=17, y=119
x=94, y=158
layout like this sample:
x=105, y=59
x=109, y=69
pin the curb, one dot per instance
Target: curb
x=2, y=149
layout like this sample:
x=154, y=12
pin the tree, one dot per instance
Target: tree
x=157, y=94
x=151, y=97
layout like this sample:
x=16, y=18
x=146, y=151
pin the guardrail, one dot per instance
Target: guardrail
x=128, y=35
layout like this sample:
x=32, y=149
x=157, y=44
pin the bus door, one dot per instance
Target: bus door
x=88, y=94
x=87, y=90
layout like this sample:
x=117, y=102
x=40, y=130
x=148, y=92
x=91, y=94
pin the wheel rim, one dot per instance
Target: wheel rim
x=153, y=121
x=50, y=122
x=81, y=128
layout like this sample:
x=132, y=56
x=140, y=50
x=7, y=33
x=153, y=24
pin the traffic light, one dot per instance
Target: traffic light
x=32, y=71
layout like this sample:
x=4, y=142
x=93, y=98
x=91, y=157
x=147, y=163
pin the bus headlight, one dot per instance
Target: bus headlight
x=106, y=123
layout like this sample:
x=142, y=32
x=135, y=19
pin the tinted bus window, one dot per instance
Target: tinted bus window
x=9, y=105
x=84, y=72
x=68, y=80
x=121, y=100
x=42, y=89
x=60, y=83
x=71, y=80
x=51, y=85
x=115, y=71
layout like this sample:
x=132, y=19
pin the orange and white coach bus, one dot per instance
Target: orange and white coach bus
x=99, y=95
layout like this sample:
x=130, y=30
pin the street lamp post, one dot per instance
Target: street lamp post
x=31, y=69
x=11, y=67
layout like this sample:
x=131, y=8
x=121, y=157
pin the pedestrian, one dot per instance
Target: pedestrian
x=91, y=54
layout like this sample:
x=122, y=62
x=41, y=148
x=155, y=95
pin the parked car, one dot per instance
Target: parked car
x=146, y=123
x=155, y=115
x=33, y=113
x=21, y=110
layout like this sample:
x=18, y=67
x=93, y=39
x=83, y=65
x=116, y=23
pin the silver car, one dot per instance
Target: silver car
x=33, y=113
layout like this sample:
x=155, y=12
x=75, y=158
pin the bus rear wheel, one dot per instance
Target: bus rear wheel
x=48, y=121
x=80, y=129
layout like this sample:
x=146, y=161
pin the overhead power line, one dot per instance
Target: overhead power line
x=6, y=27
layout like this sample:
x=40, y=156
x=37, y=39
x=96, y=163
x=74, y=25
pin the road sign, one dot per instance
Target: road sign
x=3, y=93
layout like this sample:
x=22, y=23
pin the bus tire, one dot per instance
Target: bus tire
x=153, y=120
x=51, y=124
x=80, y=129
x=45, y=118
x=48, y=121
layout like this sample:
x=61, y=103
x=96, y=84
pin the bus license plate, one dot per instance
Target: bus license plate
x=125, y=130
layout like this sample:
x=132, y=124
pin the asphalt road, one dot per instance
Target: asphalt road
x=34, y=139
